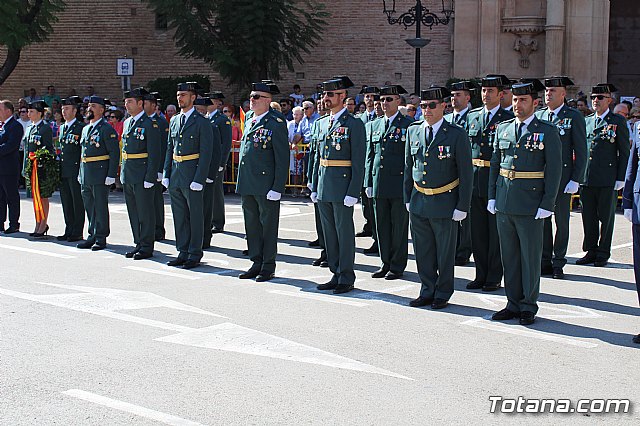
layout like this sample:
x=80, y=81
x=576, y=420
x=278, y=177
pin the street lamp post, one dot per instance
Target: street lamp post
x=419, y=16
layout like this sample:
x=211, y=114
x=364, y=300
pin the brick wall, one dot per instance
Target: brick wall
x=90, y=36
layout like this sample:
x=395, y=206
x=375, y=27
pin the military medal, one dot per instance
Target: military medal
x=338, y=148
x=541, y=137
x=448, y=148
x=441, y=155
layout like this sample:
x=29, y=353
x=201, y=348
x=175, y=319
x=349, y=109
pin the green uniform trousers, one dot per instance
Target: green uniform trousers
x=316, y=213
x=188, y=220
x=158, y=208
x=96, y=203
x=521, y=245
x=464, y=248
x=218, y=219
x=554, y=250
x=72, y=207
x=485, y=241
x=368, y=213
x=142, y=216
x=434, y=243
x=207, y=200
x=261, y=221
x=392, y=227
x=339, y=240
x=598, y=210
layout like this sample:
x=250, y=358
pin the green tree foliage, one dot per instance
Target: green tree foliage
x=24, y=22
x=166, y=86
x=245, y=40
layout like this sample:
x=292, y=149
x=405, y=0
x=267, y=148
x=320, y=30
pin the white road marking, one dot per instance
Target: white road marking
x=494, y=301
x=297, y=231
x=34, y=251
x=320, y=297
x=234, y=338
x=619, y=246
x=210, y=259
x=158, y=272
x=130, y=408
x=521, y=331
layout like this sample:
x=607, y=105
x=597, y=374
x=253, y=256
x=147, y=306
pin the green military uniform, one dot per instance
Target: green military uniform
x=263, y=169
x=484, y=234
x=438, y=180
x=189, y=151
x=313, y=153
x=226, y=134
x=571, y=127
x=99, y=160
x=368, y=117
x=608, y=142
x=338, y=173
x=524, y=177
x=70, y=193
x=141, y=154
x=385, y=175
x=158, y=190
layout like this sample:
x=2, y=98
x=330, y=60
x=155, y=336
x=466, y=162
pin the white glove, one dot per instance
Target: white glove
x=159, y=178
x=209, y=180
x=369, y=192
x=109, y=181
x=221, y=168
x=79, y=179
x=572, y=187
x=543, y=214
x=195, y=186
x=459, y=216
x=619, y=185
x=309, y=186
x=491, y=206
x=627, y=214
x=273, y=196
x=407, y=205
x=147, y=185
x=350, y=201
x=165, y=182
x=314, y=197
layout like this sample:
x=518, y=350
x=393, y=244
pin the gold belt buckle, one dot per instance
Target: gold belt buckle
x=511, y=175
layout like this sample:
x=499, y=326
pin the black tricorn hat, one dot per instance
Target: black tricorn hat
x=97, y=100
x=370, y=89
x=37, y=105
x=392, y=89
x=560, y=81
x=71, y=100
x=537, y=84
x=267, y=86
x=138, y=93
x=505, y=81
x=435, y=93
x=463, y=85
x=216, y=94
x=492, y=82
x=339, y=82
x=522, y=89
x=189, y=86
x=603, y=88
x=153, y=97
x=203, y=101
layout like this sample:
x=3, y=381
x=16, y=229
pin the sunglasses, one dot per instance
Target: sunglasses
x=387, y=99
x=306, y=108
x=226, y=111
x=112, y=116
x=256, y=96
x=430, y=105
x=24, y=111
x=599, y=97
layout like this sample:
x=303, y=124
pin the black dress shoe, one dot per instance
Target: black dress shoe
x=439, y=304
x=245, y=252
x=371, y=250
x=318, y=261
x=558, y=273
x=393, y=276
x=177, y=262
x=364, y=233
x=251, y=273
x=142, y=255
x=131, y=253
x=265, y=276
x=159, y=238
x=11, y=230
x=461, y=262
x=380, y=273
x=314, y=243
x=206, y=246
x=527, y=318
x=190, y=264
x=343, y=288
x=600, y=263
x=420, y=301
x=331, y=285
x=546, y=270
x=74, y=238
x=85, y=244
x=217, y=230
x=98, y=246
x=491, y=286
x=62, y=237
x=504, y=315
x=324, y=264
x=636, y=339
x=475, y=285
x=586, y=259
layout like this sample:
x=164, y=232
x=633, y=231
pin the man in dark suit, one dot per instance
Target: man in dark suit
x=631, y=205
x=11, y=133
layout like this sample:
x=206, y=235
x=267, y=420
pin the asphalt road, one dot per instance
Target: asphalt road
x=97, y=339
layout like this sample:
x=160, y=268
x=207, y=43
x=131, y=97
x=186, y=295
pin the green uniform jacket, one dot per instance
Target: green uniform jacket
x=446, y=159
x=539, y=149
x=226, y=135
x=366, y=116
x=215, y=152
x=481, y=138
x=313, y=151
x=70, y=149
x=264, y=156
x=196, y=137
x=571, y=126
x=163, y=125
x=97, y=140
x=608, y=150
x=385, y=157
x=463, y=120
x=141, y=137
x=35, y=138
x=345, y=140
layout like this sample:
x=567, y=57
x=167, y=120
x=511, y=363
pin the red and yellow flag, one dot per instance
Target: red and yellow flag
x=242, y=118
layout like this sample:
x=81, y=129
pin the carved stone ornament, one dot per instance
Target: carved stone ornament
x=526, y=28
